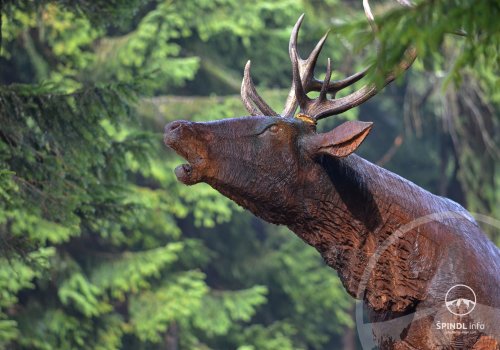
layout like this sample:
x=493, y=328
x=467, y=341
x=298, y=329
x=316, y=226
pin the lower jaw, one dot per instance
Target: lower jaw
x=186, y=174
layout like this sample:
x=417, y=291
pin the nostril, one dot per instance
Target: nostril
x=173, y=125
x=173, y=132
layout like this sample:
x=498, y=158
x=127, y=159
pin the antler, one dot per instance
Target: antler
x=257, y=106
x=306, y=72
x=303, y=81
x=249, y=95
x=322, y=107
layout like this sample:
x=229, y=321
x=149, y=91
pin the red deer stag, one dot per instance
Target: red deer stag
x=282, y=170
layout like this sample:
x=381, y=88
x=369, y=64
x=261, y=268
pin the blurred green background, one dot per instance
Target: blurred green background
x=101, y=247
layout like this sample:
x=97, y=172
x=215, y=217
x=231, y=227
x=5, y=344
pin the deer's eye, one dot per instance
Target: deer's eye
x=274, y=129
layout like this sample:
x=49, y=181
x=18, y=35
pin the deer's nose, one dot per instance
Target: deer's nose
x=174, y=125
x=172, y=131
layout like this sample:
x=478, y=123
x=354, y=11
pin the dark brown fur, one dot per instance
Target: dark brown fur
x=346, y=207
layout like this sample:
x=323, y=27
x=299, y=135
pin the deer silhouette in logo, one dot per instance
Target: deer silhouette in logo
x=285, y=172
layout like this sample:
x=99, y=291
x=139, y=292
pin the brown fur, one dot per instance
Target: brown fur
x=285, y=172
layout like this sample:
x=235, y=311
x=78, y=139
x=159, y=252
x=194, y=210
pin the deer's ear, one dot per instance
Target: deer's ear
x=341, y=141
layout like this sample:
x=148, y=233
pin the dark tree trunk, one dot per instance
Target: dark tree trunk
x=172, y=337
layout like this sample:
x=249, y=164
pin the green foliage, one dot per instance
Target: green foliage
x=99, y=12
x=131, y=271
x=83, y=296
x=104, y=245
x=315, y=296
x=276, y=336
x=17, y=275
x=177, y=299
x=144, y=50
x=430, y=27
x=221, y=309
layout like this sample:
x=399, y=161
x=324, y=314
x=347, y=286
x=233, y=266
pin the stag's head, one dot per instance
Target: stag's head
x=264, y=160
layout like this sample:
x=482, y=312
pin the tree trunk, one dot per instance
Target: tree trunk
x=172, y=337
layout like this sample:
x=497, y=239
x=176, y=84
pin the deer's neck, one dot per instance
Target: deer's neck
x=348, y=216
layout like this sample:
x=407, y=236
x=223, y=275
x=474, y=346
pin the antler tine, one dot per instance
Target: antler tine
x=292, y=44
x=337, y=85
x=305, y=67
x=244, y=92
x=326, y=82
x=251, y=99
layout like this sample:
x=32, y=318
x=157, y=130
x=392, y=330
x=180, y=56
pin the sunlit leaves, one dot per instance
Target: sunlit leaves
x=178, y=298
x=16, y=274
x=82, y=295
x=130, y=271
x=221, y=309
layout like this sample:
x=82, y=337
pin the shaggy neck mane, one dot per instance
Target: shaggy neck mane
x=352, y=207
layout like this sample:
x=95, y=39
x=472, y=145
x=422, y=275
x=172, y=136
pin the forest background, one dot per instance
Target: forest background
x=101, y=247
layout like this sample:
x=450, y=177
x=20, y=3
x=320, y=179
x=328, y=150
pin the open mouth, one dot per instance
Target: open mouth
x=189, y=173
x=180, y=137
x=184, y=172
